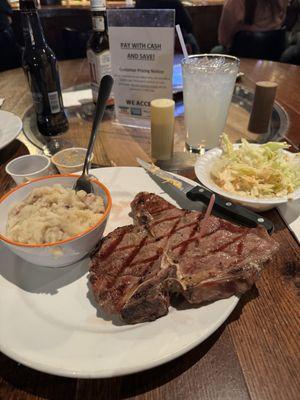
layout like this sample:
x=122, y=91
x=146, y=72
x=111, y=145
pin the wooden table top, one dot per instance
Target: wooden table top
x=254, y=354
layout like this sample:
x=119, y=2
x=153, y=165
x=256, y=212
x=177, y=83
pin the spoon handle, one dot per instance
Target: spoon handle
x=105, y=87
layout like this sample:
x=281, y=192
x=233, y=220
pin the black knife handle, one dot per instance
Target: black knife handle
x=228, y=210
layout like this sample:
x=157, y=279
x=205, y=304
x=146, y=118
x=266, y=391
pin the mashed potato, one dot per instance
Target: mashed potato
x=53, y=213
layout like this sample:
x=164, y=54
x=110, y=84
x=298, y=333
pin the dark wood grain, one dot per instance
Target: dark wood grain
x=255, y=354
x=272, y=324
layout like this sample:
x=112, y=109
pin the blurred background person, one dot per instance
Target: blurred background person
x=10, y=51
x=252, y=28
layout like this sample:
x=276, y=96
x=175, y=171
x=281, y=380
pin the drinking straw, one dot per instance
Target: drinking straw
x=180, y=37
x=207, y=215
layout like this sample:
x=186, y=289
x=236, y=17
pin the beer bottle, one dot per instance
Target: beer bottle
x=40, y=66
x=98, y=53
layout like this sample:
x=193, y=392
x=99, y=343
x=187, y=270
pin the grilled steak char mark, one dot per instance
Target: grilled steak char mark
x=138, y=266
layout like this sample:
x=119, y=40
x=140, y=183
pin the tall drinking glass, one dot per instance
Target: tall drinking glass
x=208, y=83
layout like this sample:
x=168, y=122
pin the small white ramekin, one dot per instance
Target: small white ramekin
x=63, y=167
x=23, y=169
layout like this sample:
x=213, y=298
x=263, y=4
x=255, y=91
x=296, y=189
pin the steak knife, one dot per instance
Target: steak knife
x=233, y=212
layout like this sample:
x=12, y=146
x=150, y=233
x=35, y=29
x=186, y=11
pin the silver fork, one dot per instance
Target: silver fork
x=83, y=182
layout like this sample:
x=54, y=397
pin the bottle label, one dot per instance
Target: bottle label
x=98, y=5
x=54, y=102
x=98, y=23
x=100, y=65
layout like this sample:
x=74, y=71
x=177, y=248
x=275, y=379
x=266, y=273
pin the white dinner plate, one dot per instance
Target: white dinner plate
x=10, y=127
x=48, y=318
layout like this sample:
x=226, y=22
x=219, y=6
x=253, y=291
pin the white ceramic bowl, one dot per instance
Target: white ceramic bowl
x=56, y=254
x=202, y=169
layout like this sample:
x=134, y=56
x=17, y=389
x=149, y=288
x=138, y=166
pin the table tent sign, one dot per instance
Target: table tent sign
x=142, y=50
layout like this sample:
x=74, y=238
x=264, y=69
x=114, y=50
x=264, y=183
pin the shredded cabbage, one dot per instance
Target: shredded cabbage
x=260, y=171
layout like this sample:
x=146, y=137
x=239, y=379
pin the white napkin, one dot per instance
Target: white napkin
x=77, y=97
x=290, y=212
x=1, y=101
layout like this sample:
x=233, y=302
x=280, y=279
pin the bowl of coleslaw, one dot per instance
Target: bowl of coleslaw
x=258, y=176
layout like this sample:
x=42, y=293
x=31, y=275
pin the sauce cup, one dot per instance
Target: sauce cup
x=70, y=160
x=23, y=169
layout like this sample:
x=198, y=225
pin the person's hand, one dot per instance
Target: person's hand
x=9, y=18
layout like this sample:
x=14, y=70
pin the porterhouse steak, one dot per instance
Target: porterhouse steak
x=137, y=267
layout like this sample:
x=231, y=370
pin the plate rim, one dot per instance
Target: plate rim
x=18, y=130
x=122, y=370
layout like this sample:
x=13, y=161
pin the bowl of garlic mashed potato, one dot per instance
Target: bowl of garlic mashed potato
x=47, y=223
x=52, y=214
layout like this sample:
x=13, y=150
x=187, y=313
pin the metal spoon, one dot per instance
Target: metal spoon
x=83, y=182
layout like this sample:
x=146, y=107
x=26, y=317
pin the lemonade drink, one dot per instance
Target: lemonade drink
x=208, y=83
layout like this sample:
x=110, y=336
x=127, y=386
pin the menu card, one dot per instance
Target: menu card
x=142, y=49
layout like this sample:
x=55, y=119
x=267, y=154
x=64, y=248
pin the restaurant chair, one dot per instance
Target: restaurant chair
x=267, y=45
x=75, y=42
x=291, y=55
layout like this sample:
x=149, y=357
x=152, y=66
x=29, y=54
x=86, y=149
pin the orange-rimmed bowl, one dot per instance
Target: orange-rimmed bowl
x=55, y=254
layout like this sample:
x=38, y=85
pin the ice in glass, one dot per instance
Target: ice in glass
x=208, y=83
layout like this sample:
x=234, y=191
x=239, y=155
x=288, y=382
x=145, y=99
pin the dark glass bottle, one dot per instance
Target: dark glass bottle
x=40, y=66
x=98, y=53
